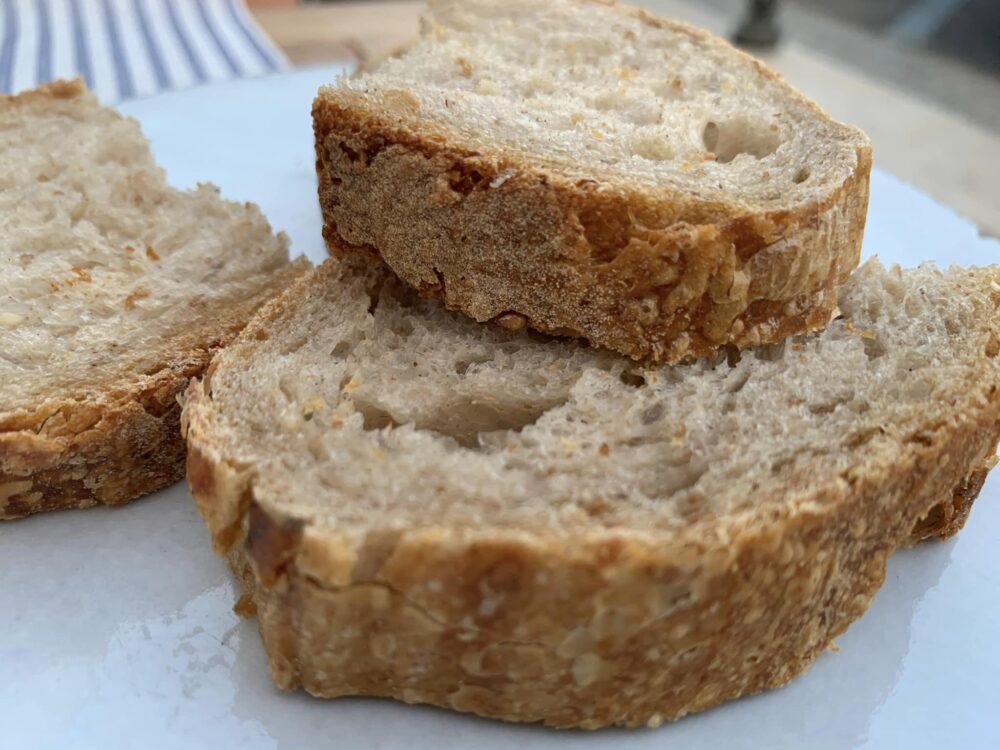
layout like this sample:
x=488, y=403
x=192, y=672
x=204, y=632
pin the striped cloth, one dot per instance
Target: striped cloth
x=129, y=48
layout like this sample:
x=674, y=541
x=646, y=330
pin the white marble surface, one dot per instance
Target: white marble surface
x=116, y=629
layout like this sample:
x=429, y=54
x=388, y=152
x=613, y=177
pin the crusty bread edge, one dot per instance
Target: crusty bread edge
x=607, y=628
x=124, y=442
x=439, y=214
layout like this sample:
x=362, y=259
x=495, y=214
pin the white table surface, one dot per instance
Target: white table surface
x=117, y=630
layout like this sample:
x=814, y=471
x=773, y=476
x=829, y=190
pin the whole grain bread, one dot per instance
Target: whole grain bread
x=531, y=529
x=114, y=290
x=583, y=168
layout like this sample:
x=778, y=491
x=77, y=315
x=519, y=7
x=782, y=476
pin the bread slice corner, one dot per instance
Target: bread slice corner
x=115, y=289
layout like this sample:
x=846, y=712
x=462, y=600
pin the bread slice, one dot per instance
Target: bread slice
x=114, y=290
x=583, y=168
x=438, y=511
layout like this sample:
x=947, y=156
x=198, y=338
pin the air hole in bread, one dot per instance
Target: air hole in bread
x=873, y=348
x=294, y=344
x=825, y=408
x=771, y=352
x=462, y=366
x=606, y=230
x=349, y=152
x=342, y=349
x=465, y=420
x=464, y=181
x=375, y=417
x=403, y=328
x=728, y=139
x=737, y=381
x=634, y=379
x=801, y=175
x=652, y=414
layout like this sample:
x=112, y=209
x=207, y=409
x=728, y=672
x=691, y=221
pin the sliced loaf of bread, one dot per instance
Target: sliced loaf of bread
x=114, y=290
x=531, y=529
x=583, y=168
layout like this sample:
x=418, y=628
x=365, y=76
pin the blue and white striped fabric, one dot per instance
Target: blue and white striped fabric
x=129, y=48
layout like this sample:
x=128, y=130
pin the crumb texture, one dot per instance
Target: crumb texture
x=387, y=405
x=531, y=529
x=602, y=90
x=114, y=289
x=584, y=169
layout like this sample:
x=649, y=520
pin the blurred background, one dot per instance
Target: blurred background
x=921, y=77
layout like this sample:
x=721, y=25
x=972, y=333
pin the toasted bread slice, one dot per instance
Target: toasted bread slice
x=438, y=511
x=583, y=168
x=114, y=290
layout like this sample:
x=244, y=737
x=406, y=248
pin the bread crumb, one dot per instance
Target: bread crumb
x=313, y=405
x=597, y=134
x=134, y=297
x=82, y=274
x=10, y=320
x=245, y=606
x=464, y=65
x=864, y=333
x=151, y=253
x=604, y=450
x=512, y=321
x=586, y=669
x=486, y=87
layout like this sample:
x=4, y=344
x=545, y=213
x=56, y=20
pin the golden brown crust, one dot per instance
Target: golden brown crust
x=948, y=517
x=121, y=439
x=610, y=628
x=74, y=454
x=52, y=90
x=651, y=274
x=118, y=438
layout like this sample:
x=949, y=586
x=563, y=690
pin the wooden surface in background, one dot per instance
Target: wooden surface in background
x=331, y=32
